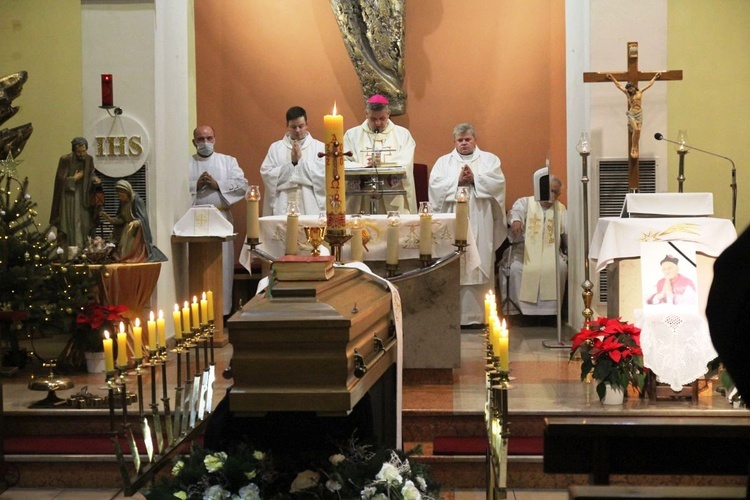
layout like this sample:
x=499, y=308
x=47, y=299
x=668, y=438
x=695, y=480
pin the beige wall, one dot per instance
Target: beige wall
x=706, y=41
x=497, y=64
x=43, y=37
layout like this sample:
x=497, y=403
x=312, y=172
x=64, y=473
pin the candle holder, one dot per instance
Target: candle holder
x=462, y=218
x=336, y=238
x=584, y=149
x=50, y=384
x=425, y=233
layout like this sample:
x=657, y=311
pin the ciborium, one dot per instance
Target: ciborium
x=315, y=237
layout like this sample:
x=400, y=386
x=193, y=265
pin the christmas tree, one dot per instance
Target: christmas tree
x=38, y=291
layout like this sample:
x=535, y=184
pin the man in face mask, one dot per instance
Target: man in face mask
x=217, y=179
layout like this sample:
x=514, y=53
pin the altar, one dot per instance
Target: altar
x=430, y=297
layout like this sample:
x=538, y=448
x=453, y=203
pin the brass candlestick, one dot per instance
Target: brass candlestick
x=584, y=149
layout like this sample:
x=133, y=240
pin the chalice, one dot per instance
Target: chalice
x=315, y=237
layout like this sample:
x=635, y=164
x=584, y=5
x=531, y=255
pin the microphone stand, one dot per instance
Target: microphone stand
x=733, y=185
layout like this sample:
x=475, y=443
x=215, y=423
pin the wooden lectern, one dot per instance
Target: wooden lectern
x=205, y=273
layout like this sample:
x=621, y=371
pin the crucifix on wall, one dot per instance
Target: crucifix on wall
x=634, y=95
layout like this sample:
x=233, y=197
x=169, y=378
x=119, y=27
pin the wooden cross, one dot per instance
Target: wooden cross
x=632, y=76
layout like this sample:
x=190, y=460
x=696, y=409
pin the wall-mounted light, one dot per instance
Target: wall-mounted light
x=108, y=96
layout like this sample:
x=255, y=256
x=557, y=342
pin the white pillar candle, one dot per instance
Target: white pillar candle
x=292, y=226
x=425, y=229
x=462, y=215
x=253, y=212
x=391, y=250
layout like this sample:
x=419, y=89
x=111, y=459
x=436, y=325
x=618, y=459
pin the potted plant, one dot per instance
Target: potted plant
x=86, y=340
x=610, y=352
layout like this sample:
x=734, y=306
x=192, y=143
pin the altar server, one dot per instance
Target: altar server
x=480, y=172
x=395, y=146
x=292, y=169
x=217, y=179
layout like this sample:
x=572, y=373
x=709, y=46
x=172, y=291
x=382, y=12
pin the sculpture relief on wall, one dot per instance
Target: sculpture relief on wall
x=12, y=140
x=373, y=32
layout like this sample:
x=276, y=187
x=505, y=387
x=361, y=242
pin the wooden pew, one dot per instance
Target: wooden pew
x=601, y=446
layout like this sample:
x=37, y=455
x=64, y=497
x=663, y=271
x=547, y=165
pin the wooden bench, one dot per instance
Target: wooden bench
x=601, y=446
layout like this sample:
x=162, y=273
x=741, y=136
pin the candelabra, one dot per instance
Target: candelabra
x=682, y=150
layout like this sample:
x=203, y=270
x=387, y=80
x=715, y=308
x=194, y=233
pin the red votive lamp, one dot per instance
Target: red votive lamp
x=107, y=93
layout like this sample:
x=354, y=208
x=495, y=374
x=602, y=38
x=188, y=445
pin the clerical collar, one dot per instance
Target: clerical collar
x=466, y=157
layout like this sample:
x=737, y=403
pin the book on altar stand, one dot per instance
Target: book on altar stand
x=303, y=267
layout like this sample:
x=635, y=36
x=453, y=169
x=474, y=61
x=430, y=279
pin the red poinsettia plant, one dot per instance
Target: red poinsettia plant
x=610, y=351
x=95, y=316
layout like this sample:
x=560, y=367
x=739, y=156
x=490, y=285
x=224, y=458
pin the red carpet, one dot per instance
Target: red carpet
x=517, y=445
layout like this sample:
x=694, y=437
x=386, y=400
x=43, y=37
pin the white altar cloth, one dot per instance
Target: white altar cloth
x=273, y=238
x=617, y=238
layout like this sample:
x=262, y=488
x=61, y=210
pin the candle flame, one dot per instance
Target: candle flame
x=122, y=327
x=151, y=316
x=106, y=334
x=161, y=314
x=138, y=322
x=186, y=306
x=176, y=308
x=204, y=296
x=195, y=299
x=504, y=326
x=334, y=107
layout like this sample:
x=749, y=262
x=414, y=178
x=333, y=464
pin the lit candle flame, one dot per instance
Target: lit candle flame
x=334, y=108
x=151, y=316
x=204, y=296
x=177, y=307
x=161, y=314
x=122, y=327
x=137, y=321
x=106, y=334
x=195, y=299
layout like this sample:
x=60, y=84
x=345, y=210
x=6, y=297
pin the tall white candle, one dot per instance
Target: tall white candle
x=462, y=215
x=253, y=212
x=292, y=227
x=391, y=250
x=425, y=229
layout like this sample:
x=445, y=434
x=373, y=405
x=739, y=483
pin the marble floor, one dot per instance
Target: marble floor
x=543, y=382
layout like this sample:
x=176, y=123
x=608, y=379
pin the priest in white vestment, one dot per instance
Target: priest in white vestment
x=530, y=259
x=217, y=179
x=480, y=171
x=395, y=145
x=292, y=170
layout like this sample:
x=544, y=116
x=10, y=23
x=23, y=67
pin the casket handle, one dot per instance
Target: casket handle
x=360, y=367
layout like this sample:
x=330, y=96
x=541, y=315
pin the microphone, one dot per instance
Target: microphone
x=660, y=137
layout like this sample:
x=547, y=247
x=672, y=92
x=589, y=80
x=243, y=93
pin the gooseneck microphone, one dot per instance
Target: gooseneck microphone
x=733, y=185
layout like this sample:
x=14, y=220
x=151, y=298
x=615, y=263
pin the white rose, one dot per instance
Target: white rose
x=215, y=462
x=177, y=467
x=259, y=455
x=216, y=492
x=336, y=459
x=410, y=492
x=249, y=492
x=367, y=493
x=421, y=483
x=389, y=474
x=251, y=474
x=333, y=486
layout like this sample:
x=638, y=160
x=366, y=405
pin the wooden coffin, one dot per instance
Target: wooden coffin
x=304, y=348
